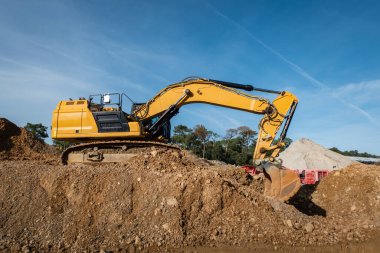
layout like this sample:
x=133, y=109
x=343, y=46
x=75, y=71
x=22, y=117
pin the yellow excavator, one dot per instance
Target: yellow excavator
x=104, y=132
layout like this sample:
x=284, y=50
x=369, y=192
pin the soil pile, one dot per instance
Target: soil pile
x=164, y=199
x=351, y=195
x=305, y=154
x=19, y=144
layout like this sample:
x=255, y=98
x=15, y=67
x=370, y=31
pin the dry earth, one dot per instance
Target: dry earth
x=170, y=200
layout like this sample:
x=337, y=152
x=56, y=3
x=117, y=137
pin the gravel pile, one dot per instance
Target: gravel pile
x=305, y=154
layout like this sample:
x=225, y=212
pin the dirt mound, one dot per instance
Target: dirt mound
x=19, y=144
x=160, y=199
x=352, y=194
x=305, y=154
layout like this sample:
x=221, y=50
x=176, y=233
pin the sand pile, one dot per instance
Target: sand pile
x=305, y=154
x=19, y=144
x=165, y=199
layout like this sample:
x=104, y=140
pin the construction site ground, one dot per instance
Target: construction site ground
x=169, y=200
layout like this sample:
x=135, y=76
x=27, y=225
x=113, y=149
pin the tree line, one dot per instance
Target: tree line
x=354, y=153
x=235, y=147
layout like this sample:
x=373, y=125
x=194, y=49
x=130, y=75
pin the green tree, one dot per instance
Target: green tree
x=38, y=130
x=230, y=134
x=201, y=132
x=182, y=136
x=247, y=136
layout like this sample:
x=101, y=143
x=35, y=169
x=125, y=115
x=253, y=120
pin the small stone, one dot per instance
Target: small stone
x=350, y=236
x=171, y=201
x=176, y=154
x=139, y=179
x=25, y=249
x=309, y=227
x=137, y=240
x=353, y=208
x=166, y=226
x=154, y=153
x=289, y=223
x=157, y=211
x=297, y=225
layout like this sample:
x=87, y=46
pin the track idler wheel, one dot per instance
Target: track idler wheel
x=280, y=183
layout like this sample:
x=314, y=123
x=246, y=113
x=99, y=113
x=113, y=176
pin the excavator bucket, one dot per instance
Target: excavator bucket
x=280, y=183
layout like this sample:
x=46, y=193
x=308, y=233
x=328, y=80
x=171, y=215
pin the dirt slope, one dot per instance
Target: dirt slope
x=164, y=199
x=19, y=144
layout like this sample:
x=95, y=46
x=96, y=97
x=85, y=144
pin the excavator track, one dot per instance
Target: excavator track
x=107, y=151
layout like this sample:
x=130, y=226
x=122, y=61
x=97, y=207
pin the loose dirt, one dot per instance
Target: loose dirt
x=169, y=200
x=164, y=199
x=304, y=154
x=19, y=144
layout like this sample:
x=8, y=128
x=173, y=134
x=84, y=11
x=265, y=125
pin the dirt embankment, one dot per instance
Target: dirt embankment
x=19, y=144
x=165, y=199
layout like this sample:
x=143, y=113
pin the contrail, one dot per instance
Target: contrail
x=294, y=66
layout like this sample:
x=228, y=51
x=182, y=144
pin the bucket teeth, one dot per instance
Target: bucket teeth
x=280, y=183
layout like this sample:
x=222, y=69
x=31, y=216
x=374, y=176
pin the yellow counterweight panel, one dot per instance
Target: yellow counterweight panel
x=72, y=120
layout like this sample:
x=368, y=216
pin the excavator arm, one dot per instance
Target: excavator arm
x=168, y=101
x=280, y=183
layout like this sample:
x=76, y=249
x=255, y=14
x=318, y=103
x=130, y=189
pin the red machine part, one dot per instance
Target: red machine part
x=312, y=176
x=306, y=176
x=250, y=169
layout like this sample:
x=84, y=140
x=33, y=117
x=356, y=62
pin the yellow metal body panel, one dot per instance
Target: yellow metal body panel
x=73, y=120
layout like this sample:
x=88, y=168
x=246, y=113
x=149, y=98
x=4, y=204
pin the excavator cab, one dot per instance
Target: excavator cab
x=108, y=113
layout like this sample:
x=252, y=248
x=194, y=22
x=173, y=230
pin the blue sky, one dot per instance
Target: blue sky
x=325, y=52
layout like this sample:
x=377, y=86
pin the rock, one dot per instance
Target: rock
x=157, y=211
x=171, y=201
x=297, y=225
x=176, y=154
x=309, y=227
x=137, y=240
x=154, y=153
x=289, y=223
x=25, y=249
x=166, y=226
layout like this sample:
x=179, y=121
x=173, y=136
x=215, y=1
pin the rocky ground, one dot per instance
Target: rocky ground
x=166, y=200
